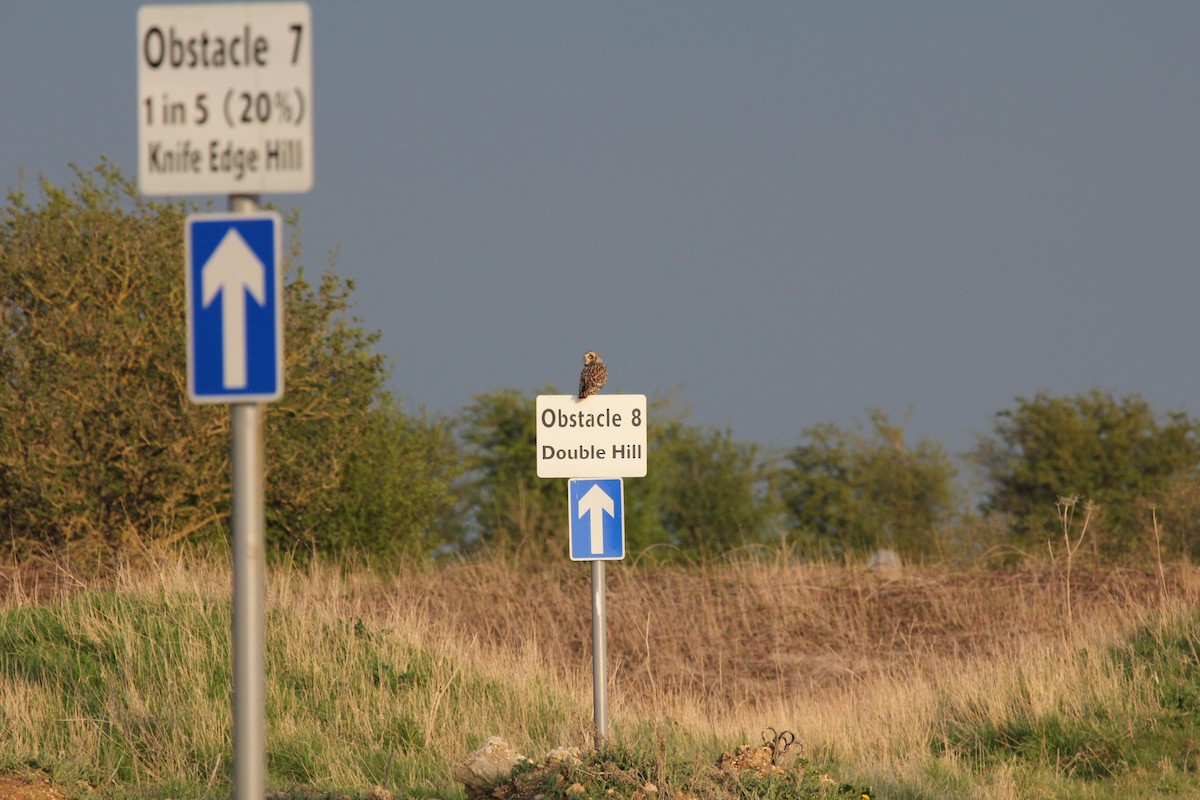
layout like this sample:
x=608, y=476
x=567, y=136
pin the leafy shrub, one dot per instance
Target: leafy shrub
x=852, y=492
x=1113, y=451
x=100, y=447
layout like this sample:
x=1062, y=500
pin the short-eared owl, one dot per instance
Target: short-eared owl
x=594, y=374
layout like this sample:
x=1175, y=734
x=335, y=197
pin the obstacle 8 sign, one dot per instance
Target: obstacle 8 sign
x=602, y=436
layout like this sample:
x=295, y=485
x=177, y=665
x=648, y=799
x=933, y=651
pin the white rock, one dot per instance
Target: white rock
x=495, y=760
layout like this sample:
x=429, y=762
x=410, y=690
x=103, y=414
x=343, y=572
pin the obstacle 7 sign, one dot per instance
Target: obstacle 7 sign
x=225, y=98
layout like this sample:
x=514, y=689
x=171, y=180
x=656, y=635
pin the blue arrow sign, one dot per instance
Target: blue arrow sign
x=234, y=307
x=597, y=510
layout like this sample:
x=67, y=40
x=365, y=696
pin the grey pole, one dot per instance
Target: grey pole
x=599, y=657
x=249, y=588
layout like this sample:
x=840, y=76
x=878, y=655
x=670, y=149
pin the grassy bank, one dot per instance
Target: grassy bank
x=929, y=683
x=129, y=686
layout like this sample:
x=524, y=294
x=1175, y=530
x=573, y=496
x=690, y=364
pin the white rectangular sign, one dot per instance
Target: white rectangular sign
x=224, y=98
x=602, y=436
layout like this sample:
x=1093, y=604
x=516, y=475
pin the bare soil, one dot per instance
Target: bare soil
x=32, y=785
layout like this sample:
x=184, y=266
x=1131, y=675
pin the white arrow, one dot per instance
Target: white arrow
x=596, y=501
x=231, y=271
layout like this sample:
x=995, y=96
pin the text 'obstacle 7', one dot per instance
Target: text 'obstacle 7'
x=602, y=436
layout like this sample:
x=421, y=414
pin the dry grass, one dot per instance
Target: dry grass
x=872, y=672
x=738, y=635
x=867, y=669
x=124, y=680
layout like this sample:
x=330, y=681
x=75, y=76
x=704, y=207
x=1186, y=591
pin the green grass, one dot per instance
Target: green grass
x=102, y=674
x=1143, y=743
x=130, y=692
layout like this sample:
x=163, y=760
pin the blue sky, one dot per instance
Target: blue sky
x=788, y=213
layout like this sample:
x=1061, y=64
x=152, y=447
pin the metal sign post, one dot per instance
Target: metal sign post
x=603, y=436
x=597, y=525
x=224, y=106
x=235, y=356
x=249, y=589
x=599, y=657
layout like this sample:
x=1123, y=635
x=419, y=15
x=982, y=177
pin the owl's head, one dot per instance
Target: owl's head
x=592, y=357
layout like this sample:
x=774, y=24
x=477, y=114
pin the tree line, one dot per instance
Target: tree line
x=101, y=451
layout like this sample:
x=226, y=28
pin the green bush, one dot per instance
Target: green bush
x=100, y=447
x=849, y=492
x=713, y=492
x=1116, y=452
x=513, y=509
